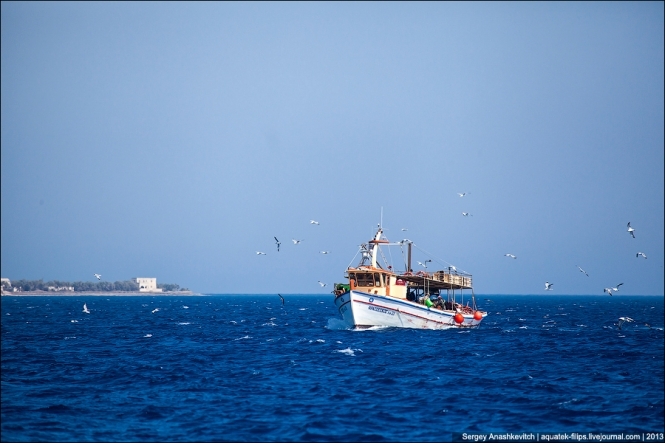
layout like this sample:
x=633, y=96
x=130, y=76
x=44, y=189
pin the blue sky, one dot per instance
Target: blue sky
x=174, y=140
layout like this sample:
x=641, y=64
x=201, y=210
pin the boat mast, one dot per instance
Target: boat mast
x=408, y=269
x=375, y=248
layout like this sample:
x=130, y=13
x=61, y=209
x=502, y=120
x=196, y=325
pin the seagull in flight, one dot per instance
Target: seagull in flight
x=405, y=229
x=85, y=308
x=631, y=230
x=462, y=194
x=622, y=320
x=155, y=310
x=99, y=276
x=642, y=254
x=466, y=214
x=582, y=271
x=424, y=265
x=548, y=286
x=610, y=290
x=313, y=222
x=280, y=296
x=260, y=253
x=322, y=284
x=278, y=243
x=510, y=255
x=324, y=252
x=295, y=242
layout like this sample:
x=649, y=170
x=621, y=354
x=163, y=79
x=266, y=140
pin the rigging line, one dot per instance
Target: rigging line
x=401, y=248
x=391, y=257
x=385, y=262
x=440, y=259
x=354, y=257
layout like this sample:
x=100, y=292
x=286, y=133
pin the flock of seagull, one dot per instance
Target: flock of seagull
x=295, y=241
x=548, y=285
x=610, y=290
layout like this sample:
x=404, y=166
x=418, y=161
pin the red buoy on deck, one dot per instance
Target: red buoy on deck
x=477, y=315
x=459, y=318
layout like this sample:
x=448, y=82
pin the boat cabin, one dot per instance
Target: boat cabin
x=376, y=281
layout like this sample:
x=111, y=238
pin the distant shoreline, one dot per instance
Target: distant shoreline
x=98, y=293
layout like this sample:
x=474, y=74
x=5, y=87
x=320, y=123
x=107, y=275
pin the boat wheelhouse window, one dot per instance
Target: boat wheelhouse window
x=367, y=279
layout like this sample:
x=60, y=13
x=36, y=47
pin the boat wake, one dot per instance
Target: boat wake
x=336, y=324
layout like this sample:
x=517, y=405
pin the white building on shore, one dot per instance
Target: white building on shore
x=6, y=285
x=147, y=284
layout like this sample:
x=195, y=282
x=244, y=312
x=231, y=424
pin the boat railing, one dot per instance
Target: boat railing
x=453, y=279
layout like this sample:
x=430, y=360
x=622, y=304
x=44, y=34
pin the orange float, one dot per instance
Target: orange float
x=477, y=315
x=459, y=318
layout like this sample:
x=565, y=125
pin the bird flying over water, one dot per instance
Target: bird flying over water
x=322, y=284
x=466, y=214
x=405, y=229
x=313, y=222
x=295, y=242
x=280, y=296
x=155, y=310
x=631, y=230
x=582, y=270
x=324, y=252
x=99, y=276
x=85, y=308
x=622, y=320
x=642, y=254
x=260, y=253
x=462, y=194
x=548, y=286
x=510, y=255
x=278, y=243
x=424, y=265
x=610, y=290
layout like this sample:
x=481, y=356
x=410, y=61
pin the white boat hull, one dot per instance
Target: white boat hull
x=363, y=310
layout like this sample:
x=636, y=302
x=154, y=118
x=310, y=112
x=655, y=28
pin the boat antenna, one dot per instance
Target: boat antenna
x=381, y=225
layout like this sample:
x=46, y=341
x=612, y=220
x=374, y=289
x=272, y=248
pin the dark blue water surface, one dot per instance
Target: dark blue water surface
x=246, y=368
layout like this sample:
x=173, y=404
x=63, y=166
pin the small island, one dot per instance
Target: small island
x=134, y=286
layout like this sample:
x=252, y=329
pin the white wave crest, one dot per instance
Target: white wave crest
x=348, y=351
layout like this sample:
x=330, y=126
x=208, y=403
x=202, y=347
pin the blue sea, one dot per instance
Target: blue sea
x=247, y=368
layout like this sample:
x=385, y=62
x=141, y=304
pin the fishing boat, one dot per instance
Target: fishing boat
x=376, y=295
